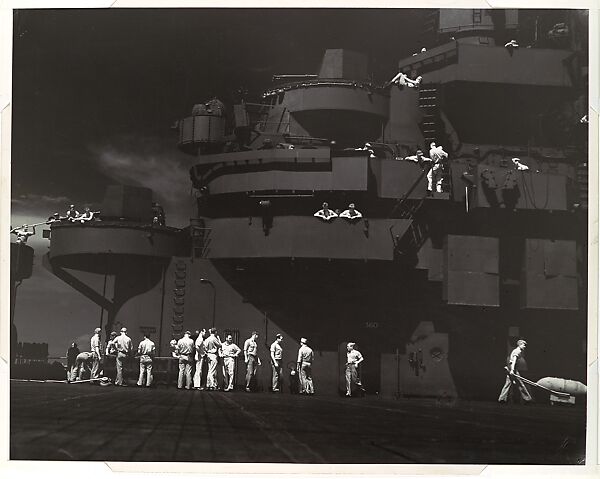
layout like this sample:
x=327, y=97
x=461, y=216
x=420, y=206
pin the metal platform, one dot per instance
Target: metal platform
x=84, y=422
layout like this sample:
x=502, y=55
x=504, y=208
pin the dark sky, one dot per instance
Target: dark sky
x=88, y=78
x=95, y=92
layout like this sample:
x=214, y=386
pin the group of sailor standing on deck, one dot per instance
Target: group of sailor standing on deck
x=80, y=364
x=208, y=350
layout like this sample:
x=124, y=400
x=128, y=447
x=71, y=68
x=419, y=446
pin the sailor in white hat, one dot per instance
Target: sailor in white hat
x=124, y=347
x=96, y=354
x=305, y=360
x=435, y=174
x=511, y=380
x=353, y=359
x=185, y=352
x=146, y=350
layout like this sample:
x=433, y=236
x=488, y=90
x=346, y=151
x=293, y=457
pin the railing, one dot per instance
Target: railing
x=336, y=82
x=402, y=200
x=431, y=60
x=409, y=213
x=113, y=222
x=467, y=27
x=21, y=360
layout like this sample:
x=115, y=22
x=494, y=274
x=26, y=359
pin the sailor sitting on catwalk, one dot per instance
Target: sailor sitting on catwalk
x=369, y=148
x=325, y=213
x=284, y=146
x=87, y=215
x=351, y=213
x=402, y=79
x=22, y=233
x=518, y=165
x=72, y=213
x=55, y=217
x=419, y=158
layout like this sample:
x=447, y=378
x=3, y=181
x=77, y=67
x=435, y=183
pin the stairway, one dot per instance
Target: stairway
x=407, y=246
x=200, y=237
x=413, y=239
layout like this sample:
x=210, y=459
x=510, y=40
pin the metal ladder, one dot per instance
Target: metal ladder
x=582, y=183
x=431, y=126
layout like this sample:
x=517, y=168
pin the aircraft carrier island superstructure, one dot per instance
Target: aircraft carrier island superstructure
x=434, y=289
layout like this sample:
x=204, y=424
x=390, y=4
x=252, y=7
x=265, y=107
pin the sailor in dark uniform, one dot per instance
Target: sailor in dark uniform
x=72, y=354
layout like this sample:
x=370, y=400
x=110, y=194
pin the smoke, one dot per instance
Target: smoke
x=31, y=201
x=153, y=164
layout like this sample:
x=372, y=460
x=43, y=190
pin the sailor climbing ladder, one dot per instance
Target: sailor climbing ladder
x=432, y=125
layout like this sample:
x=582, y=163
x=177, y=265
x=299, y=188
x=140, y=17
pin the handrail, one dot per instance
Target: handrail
x=406, y=195
x=402, y=200
x=120, y=224
x=325, y=82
